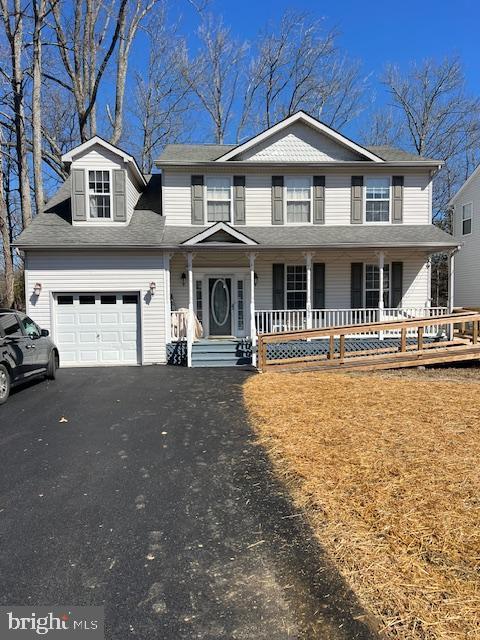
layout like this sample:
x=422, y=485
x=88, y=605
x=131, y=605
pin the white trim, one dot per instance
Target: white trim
x=462, y=219
x=373, y=264
x=471, y=177
x=205, y=197
x=285, y=211
x=70, y=155
x=89, y=219
x=218, y=226
x=312, y=122
x=376, y=177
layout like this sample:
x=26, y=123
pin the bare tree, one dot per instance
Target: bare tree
x=213, y=75
x=129, y=25
x=9, y=293
x=39, y=13
x=299, y=67
x=13, y=24
x=437, y=119
x=161, y=101
x=80, y=45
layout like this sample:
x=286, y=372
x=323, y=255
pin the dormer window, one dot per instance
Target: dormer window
x=99, y=194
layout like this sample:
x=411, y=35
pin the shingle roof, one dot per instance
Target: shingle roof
x=184, y=153
x=194, y=152
x=53, y=227
x=329, y=236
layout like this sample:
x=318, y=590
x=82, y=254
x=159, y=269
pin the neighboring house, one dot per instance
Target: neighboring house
x=465, y=206
x=298, y=227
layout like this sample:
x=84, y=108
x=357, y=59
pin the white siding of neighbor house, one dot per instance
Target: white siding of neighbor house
x=416, y=274
x=97, y=157
x=258, y=195
x=98, y=272
x=299, y=142
x=467, y=260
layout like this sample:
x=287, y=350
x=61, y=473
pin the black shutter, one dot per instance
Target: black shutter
x=397, y=283
x=318, y=285
x=278, y=286
x=356, y=285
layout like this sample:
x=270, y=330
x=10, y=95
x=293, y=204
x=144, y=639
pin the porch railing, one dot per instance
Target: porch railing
x=179, y=324
x=277, y=321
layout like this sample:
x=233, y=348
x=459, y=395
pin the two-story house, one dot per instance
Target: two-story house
x=465, y=207
x=298, y=227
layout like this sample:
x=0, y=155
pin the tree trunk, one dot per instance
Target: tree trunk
x=15, y=40
x=39, y=13
x=6, y=245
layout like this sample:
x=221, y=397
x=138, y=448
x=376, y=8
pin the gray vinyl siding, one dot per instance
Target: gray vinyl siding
x=467, y=260
x=258, y=198
x=93, y=271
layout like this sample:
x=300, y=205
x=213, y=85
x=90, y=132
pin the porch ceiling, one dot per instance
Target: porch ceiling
x=426, y=237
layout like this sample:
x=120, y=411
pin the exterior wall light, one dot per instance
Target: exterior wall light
x=153, y=286
x=255, y=279
x=184, y=278
x=37, y=289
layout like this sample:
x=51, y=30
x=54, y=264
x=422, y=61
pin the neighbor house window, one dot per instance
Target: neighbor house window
x=467, y=219
x=99, y=194
x=377, y=200
x=219, y=199
x=372, y=285
x=296, y=286
x=298, y=199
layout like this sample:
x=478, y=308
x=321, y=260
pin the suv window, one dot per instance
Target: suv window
x=9, y=325
x=30, y=328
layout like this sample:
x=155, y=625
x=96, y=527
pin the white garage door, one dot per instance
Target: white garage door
x=97, y=328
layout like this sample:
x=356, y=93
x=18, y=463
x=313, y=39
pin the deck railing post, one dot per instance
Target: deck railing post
x=381, y=269
x=420, y=338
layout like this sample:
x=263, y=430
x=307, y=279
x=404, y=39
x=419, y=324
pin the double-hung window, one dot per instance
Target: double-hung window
x=372, y=285
x=99, y=194
x=296, y=286
x=466, y=219
x=219, y=199
x=377, y=200
x=298, y=199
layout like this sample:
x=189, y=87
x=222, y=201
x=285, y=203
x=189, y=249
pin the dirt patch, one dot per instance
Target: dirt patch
x=386, y=467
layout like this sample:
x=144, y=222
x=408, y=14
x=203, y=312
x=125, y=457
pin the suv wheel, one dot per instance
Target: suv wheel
x=52, y=366
x=4, y=384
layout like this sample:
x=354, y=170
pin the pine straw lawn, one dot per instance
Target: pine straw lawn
x=387, y=470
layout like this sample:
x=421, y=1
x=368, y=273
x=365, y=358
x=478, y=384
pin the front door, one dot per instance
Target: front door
x=220, y=306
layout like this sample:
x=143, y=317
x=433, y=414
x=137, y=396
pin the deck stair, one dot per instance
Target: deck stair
x=410, y=348
x=220, y=353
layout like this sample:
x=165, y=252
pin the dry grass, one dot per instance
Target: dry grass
x=387, y=469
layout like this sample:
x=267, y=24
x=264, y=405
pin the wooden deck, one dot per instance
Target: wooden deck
x=334, y=351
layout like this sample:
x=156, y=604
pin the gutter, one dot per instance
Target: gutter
x=434, y=164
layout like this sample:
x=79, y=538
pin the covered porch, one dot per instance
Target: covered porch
x=231, y=295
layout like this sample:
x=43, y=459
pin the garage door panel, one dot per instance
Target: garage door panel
x=101, y=332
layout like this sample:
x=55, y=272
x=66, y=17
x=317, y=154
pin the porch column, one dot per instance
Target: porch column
x=451, y=289
x=381, y=267
x=168, y=304
x=190, y=309
x=253, y=331
x=308, y=261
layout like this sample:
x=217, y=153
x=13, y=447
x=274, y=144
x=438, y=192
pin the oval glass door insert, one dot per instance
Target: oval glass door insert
x=220, y=302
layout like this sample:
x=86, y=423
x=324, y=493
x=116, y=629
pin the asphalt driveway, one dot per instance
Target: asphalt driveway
x=151, y=498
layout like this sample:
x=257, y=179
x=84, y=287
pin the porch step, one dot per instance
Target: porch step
x=221, y=353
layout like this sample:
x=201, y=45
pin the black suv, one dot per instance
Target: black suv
x=26, y=351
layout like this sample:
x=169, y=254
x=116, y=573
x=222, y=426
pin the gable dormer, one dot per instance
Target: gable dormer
x=105, y=183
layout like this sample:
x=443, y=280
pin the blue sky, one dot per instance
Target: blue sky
x=374, y=32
